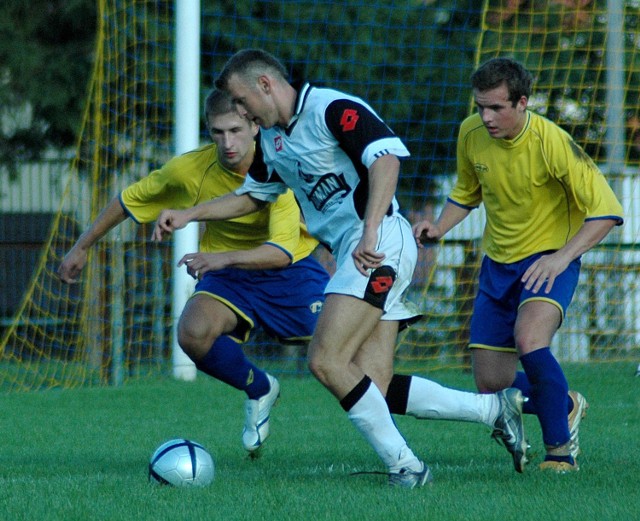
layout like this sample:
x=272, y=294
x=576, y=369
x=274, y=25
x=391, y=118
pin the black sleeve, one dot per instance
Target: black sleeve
x=354, y=126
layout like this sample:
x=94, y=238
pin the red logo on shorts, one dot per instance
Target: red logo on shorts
x=277, y=141
x=349, y=119
x=381, y=284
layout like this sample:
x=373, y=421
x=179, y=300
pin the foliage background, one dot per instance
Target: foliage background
x=47, y=49
x=410, y=59
x=46, y=56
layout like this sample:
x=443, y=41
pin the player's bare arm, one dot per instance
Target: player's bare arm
x=76, y=259
x=427, y=232
x=383, y=179
x=171, y=220
x=264, y=257
x=546, y=269
x=222, y=208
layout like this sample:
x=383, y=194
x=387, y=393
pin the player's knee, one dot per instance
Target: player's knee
x=194, y=348
x=195, y=338
x=320, y=366
x=530, y=336
x=315, y=366
x=529, y=341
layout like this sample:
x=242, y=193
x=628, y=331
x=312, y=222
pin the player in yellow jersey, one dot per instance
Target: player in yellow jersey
x=252, y=270
x=546, y=204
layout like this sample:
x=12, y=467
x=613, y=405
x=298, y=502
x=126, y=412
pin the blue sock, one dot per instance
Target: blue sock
x=227, y=362
x=549, y=390
x=522, y=382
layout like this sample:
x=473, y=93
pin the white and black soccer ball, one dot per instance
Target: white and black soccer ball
x=181, y=463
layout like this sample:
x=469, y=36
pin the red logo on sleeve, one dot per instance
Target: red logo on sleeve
x=349, y=119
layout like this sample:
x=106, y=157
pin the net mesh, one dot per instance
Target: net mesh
x=411, y=61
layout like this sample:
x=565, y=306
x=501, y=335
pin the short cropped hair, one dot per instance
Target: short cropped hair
x=496, y=71
x=218, y=102
x=249, y=64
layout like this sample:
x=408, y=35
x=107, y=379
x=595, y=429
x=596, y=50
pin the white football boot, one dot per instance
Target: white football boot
x=256, y=424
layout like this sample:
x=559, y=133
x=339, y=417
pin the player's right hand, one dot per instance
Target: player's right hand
x=72, y=265
x=365, y=256
x=425, y=232
x=169, y=221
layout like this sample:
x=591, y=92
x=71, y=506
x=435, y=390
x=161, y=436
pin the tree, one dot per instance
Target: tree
x=46, y=55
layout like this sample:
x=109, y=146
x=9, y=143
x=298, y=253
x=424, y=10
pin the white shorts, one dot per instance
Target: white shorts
x=395, y=240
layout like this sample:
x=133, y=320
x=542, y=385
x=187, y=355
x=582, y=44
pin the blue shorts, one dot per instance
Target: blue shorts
x=500, y=295
x=285, y=302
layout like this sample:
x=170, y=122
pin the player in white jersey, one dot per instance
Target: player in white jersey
x=329, y=178
x=332, y=189
x=342, y=162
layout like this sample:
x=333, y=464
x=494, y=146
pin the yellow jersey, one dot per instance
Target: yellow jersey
x=537, y=189
x=197, y=176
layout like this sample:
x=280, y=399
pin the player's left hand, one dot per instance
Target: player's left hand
x=365, y=255
x=543, y=272
x=169, y=221
x=200, y=263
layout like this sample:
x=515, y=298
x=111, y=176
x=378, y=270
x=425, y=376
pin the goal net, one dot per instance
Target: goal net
x=411, y=61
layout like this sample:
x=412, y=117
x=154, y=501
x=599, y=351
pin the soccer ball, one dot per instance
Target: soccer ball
x=181, y=463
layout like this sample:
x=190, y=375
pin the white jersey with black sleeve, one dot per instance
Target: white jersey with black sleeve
x=324, y=155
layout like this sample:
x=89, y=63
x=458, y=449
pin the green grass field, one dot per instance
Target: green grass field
x=83, y=454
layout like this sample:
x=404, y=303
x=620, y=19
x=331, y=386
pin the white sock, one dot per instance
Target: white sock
x=430, y=400
x=371, y=416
